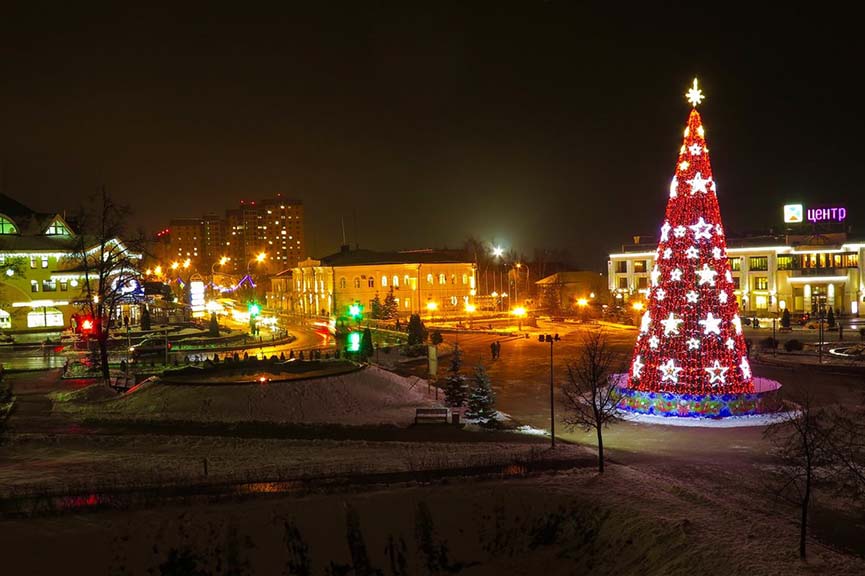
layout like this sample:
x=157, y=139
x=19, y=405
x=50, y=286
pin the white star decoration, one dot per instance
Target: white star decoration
x=694, y=95
x=644, y=323
x=671, y=324
x=676, y=275
x=660, y=294
x=669, y=371
x=692, y=252
x=655, y=275
x=722, y=297
x=653, y=342
x=698, y=183
x=695, y=149
x=728, y=276
x=701, y=229
x=711, y=325
x=693, y=344
x=707, y=275
x=680, y=231
x=667, y=253
x=745, y=367
x=717, y=373
x=691, y=297
x=716, y=253
x=673, y=185
x=637, y=367
x=665, y=232
x=730, y=343
x=737, y=324
x=719, y=230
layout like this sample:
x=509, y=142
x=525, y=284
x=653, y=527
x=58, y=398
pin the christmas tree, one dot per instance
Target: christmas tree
x=690, y=339
x=482, y=399
x=455, y=387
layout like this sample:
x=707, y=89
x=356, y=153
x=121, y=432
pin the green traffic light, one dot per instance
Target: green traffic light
x=353, y=344
x=355, y=310
x=254, y=309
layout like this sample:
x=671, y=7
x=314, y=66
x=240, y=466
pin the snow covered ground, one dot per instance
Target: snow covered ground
x=369, y=396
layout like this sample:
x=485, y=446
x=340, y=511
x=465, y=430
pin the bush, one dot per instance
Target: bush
x=436, y=338
x=785, y=318
x=793, y=345
x=768, y=343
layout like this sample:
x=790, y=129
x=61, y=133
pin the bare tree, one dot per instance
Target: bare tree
x=109, y=266
x=802, y=444
x=590, y=393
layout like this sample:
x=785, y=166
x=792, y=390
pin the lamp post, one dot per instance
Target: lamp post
x=497, y=251
x=551, y=338
x=221, y=262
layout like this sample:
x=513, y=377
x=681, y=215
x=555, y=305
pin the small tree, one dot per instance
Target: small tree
x=436, y=338
x=214, y=325
x=802, y=444
x=390, y=309
x=145, y=318
x=366, y=348
x=376, y=308
x=590, y=395
x=482, y=399
x=417, y=333
x=830, y=318
x=455, y=387
x=785, y=318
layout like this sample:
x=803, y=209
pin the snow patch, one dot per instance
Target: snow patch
x=729, y=422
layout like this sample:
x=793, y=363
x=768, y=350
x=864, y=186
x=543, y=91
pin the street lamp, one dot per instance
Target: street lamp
x=520, y=313
x=260, y=257
x=551, y=338
x=432, y=307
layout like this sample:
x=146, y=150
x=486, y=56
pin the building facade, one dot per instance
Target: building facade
x=799, y=272
x=427, y=282
x=42, y=280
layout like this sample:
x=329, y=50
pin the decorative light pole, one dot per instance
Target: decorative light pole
x=551, y=338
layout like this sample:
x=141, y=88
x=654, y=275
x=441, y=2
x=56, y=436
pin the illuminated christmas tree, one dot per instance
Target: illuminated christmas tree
x=690, y=339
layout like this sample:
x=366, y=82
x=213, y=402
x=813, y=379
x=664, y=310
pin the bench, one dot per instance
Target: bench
x=431, y=415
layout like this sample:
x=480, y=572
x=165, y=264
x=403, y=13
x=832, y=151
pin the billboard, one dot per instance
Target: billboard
x=793, y=213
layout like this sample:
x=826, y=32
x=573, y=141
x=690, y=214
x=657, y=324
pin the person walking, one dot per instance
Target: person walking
x=493, y=350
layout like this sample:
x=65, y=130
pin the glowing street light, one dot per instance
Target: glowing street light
x=498, y=251
x=582, y=302
x=432, y=306
x=158, y=270
x=470, y=308
x=637, y=306
x=174, y=265
x=520, y=313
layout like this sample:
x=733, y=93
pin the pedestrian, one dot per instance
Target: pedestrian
x=840, y=331
x=498, y=349
x=493, y=350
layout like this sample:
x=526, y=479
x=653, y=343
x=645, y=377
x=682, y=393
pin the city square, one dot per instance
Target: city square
x=353, y=321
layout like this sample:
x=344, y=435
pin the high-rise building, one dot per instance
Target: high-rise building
x=273, y=226
x=186, y=236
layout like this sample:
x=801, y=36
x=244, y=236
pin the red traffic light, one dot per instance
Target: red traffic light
x=87, y=325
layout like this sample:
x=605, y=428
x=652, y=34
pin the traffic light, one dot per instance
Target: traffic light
x=254, y=309
x=353, y=342
x=87, y=325
x=355, y=311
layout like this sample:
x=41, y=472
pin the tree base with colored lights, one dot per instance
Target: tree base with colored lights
x=748, y=408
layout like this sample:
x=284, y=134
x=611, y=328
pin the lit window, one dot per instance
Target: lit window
x=49, y=286
x=395, y=281
x=45, y=261
x=7, y=227
x=429, y=279
x=34, y=286
x=442, y=279
x=356, y=282
x=56, y=228
x=33, y=261
x=384, y=281
x=5, y=319
x=465, y=279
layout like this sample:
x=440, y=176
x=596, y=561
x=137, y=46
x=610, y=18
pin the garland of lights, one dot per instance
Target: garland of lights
x=690, y=339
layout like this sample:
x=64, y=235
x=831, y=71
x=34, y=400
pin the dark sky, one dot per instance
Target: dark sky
x=536, y=124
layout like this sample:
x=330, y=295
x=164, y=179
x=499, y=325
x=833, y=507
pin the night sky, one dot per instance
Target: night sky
x=539, y=124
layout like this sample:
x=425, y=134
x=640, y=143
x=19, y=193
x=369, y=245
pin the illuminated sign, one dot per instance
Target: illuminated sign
x=834, y=214
x=793, y=213
x=196, y=290
x=353, y=343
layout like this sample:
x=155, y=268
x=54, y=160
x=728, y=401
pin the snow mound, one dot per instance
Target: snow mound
x=728, y=422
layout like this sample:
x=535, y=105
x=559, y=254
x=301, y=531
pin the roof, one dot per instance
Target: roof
x=38, y=243
x=368, y=257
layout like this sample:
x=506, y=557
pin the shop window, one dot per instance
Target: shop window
x=407, y=303
x=758, y=263
x=49, y=286
x=761, y=283
x=735, y=264
x=623, y=283
x=5, y=319
x=639, y=266
x=454, y=300
x=47, y=317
